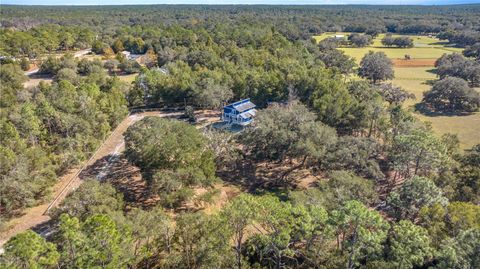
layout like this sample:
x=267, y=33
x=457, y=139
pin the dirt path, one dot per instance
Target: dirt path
x=82, y=52
x=111, y=147
x=34, y=78
x=76, y=54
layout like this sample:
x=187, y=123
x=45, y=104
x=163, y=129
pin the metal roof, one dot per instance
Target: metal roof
x=242, y=105
x=245, y=106
x=248, y=114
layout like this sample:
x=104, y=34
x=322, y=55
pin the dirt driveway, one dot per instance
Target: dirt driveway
x=112, y=146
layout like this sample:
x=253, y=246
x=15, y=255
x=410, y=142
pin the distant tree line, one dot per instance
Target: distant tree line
x=44, y=39
x=56, y=28
x=400, y=41
x=460, y=38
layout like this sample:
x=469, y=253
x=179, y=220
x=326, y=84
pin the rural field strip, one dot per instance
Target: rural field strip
x=111, y=146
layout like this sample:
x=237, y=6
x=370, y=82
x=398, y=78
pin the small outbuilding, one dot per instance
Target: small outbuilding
x=133, y=57
x=241, y=112
x=126, y=54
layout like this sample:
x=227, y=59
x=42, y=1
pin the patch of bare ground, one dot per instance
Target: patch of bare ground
x=127, y=179
x=220, y=193
x=287, y=174
x=34, y=80
x=258, y=177
x=414, y=62
x=305, y=179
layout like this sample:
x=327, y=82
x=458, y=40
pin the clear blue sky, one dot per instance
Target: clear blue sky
x=224, y=2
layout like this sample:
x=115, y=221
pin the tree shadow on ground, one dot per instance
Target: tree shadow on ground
x=441, y=43
x=268, y=177
x=124, y=177
x=40, y=76
x=46, y=229
x=429, y=82
x=424, y=109
x=432, y=71
x=249, y=176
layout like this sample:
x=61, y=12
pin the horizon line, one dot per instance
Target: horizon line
x=206, y=4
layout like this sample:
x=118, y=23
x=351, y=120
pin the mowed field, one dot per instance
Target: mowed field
x=425, y=47
x=467, y=127
x=413, y=75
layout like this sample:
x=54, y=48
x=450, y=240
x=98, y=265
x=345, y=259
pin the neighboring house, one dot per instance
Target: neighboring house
x=241, y=112
x=126, y=54
x=339, y=37
x=130, y=56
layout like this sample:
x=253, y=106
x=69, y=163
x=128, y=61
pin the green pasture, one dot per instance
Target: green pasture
x=425, y=47
x=399, y=53
x=414, y=80
x=418, y=41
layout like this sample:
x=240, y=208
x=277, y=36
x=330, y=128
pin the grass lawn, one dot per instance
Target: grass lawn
x=399, y=53
x=413, y=79
x=418, y=41
x=466, y=127
x=127, y=78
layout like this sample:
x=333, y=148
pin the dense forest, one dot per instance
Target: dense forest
x=391, y=194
